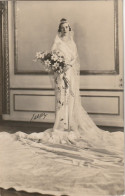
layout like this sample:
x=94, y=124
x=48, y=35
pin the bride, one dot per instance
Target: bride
x=72, y=123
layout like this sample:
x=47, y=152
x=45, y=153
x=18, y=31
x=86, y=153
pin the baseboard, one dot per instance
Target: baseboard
x=106, y=122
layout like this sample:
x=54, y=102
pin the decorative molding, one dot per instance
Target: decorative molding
x=19, y=110
x=52, y=89
x=82, y=72
x=6, y=82
x=1, y=7
x=118, y=97
x=116, y=50
x=116, y=37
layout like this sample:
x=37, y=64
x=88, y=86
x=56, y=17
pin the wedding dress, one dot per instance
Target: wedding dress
x=75, y=139
x=72, y=123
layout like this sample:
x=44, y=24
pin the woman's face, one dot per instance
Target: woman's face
x=64, y=29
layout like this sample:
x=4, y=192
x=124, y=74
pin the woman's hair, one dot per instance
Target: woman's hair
x=62, y=21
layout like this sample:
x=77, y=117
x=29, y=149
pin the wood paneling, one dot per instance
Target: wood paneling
x=96, y=56
x=109, y=105
x=31, y=102
x=104, y=107
x=93, y=104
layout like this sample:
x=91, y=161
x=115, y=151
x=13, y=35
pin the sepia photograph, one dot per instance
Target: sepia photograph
x=62, y=98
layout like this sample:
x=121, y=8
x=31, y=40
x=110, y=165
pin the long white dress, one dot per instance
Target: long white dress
x=74, y=139
x=72, y=123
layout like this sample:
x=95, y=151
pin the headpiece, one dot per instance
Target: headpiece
x=63, y=20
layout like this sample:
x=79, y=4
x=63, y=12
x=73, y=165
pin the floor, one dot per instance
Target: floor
x=28, y=127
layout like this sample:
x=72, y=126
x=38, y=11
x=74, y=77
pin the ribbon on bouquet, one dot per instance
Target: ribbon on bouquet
x=68, y=85
x=66, y=82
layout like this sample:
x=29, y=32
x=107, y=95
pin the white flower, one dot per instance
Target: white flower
x=40, y=55
x=47, y=62
x=54, y=57
x=60, y=59
x=55, y=65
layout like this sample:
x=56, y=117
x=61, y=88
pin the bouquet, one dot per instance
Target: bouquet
x=53, y=61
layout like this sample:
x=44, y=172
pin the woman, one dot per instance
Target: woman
x=69, y=112
x=72, y=123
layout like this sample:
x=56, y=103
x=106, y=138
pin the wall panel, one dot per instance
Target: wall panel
x=103, y=106
x=31, y=102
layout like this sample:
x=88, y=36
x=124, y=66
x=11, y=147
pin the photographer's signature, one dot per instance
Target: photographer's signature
x=36, y=116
